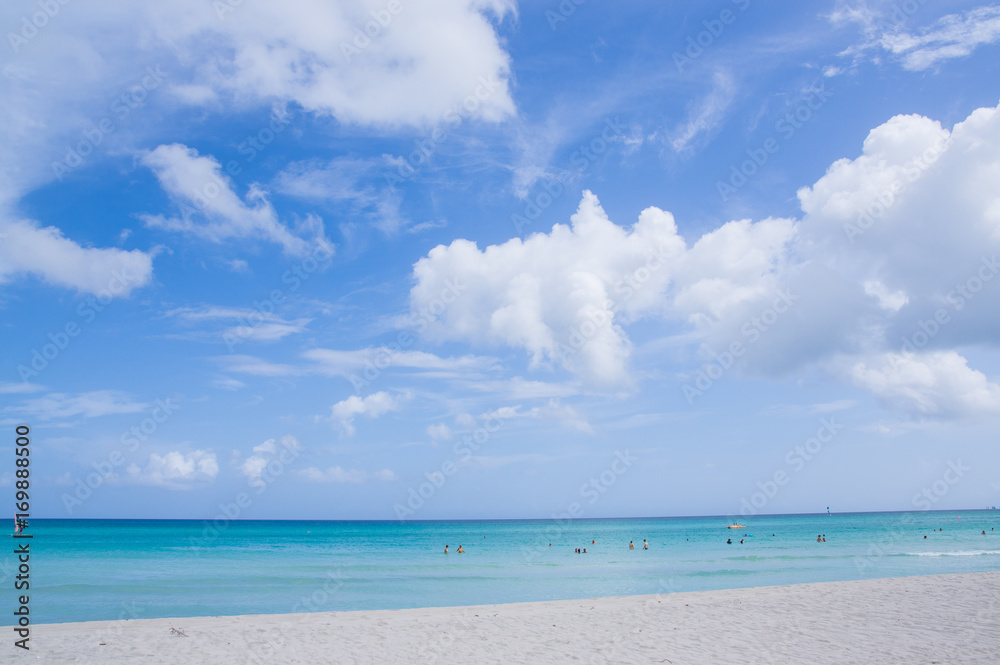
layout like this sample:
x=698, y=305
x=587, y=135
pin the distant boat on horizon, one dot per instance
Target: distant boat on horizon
x=735, y=525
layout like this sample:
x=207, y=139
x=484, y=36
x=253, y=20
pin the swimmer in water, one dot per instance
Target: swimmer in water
x=460, y=550
x=445, y=549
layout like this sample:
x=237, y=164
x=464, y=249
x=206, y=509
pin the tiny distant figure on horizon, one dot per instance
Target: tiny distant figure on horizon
x=631, y=546
x=645, y=545
x=460, y=550
x=925, y=537
x=445, y=549
x=729, y=541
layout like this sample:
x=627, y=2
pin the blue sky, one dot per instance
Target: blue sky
x=500, y=260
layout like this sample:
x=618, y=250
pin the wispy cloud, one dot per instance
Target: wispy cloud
x=706, y=115
x=336, y=474
x=952, y=36
x=93, y=404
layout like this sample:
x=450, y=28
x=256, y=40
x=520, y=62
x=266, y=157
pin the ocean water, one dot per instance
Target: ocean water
x=84, y=570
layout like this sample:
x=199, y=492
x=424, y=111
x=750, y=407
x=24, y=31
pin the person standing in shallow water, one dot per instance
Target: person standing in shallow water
x=631, y=546
x=445, y=549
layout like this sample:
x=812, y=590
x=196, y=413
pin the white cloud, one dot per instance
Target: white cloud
x=252, y=324
x=332, y=362
x=213, y=211
x=371, y=406
x=91, y=404
x=565, y=296
x=952, y=36
x=227, y=383
x=176, y=470
x=263, y=454
x=427, y=59
x=568, y=416
x=890, y=300
x=897, y=241
x=7, y=388
x=336, y=474
x=439, y=432
x=938, y=383
x=27, y=249
x=339, y=181
x=707, y=115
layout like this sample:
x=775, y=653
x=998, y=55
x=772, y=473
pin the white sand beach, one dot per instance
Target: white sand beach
x=951, y=619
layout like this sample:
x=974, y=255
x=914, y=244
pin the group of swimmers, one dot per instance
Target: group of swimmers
x=460, y=550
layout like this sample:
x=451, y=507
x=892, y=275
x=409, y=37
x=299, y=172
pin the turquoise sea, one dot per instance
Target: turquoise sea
x=83, y=570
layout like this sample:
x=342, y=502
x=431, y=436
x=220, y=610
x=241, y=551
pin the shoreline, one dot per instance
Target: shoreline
x=950, y=617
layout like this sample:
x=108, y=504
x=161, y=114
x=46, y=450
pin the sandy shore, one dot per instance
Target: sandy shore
x=953, y=619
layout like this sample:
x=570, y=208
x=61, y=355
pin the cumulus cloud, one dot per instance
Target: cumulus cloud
x=211, y=210
x=565, y=296
x=253, y=467
x=896, y=248
x=336, y=474
x=176, y=470
x=938, y=383
x=44, y=252
x=371, y=406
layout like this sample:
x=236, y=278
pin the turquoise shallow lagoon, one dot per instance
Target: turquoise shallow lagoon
x=83, y=570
